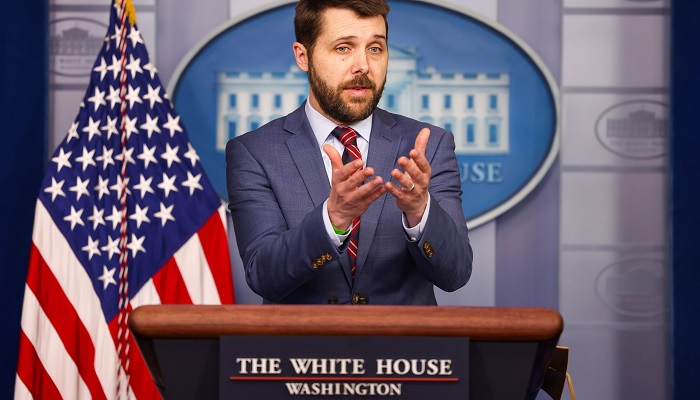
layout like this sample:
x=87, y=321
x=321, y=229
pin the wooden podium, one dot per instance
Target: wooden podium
x=509, y=350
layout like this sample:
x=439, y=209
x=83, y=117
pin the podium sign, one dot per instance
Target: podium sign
x=342, y=367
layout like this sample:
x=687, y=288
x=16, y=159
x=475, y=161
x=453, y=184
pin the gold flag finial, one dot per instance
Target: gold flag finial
x=129, y=10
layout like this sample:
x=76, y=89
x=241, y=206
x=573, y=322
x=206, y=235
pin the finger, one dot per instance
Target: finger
x=356, y=177
x=372, y=190
x=422, y=140
x=404, y=179
x=334, y=156
x=414, y=172
x=395, y=190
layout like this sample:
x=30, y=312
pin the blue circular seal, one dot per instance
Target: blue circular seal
x=447, y=66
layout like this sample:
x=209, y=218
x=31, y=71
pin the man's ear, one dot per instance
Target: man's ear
x=301, y=56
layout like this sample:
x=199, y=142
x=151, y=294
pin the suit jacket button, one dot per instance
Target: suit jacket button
x=428, y=249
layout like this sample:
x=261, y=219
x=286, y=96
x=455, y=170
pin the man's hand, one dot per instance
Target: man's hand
x=349, y=199
x=412, y=197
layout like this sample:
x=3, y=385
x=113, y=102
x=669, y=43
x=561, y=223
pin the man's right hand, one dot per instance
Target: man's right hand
x=350, y=198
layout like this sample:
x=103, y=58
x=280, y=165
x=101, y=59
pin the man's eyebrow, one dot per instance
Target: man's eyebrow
x=351, y=37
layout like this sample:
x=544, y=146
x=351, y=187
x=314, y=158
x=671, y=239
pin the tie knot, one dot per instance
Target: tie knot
x=346, y=135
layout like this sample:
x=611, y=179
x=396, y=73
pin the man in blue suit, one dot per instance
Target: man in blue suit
x=382, y=228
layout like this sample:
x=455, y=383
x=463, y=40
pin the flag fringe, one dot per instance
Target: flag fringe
x=129, y=9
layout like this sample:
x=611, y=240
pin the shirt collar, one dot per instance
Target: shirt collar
x=323, y=127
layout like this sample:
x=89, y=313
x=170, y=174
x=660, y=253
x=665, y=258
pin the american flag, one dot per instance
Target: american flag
x=125, y=217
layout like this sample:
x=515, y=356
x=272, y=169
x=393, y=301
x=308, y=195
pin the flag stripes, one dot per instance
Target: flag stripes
x=124, y=218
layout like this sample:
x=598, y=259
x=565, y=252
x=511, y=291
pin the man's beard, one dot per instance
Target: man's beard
x=331, y=102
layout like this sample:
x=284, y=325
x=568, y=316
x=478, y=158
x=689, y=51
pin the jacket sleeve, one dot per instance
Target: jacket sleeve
x=443, y=254
x=277, y=258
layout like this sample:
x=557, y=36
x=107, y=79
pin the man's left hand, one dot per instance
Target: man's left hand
x=412, y=196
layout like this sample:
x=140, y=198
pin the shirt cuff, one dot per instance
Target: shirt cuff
x=335, y=238
x=415, y=232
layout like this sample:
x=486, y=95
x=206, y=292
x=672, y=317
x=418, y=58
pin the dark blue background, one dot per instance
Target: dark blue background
x=23, y=158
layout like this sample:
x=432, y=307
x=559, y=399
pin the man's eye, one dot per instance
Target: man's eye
x=342, y=49
x=375, y=49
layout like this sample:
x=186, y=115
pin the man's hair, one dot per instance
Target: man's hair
x=308, y=22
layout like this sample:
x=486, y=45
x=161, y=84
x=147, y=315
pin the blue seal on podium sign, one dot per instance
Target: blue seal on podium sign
x=447, y=66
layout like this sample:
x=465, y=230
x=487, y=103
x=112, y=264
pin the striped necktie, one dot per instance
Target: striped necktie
x=348, y=137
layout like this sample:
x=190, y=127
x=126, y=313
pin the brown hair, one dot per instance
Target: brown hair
x=307, y=20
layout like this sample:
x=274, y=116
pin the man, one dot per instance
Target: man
x=297, y=207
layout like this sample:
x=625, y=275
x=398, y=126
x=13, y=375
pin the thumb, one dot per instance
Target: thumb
x=334, y=156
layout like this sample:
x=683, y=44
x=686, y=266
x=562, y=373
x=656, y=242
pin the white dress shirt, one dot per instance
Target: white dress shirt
x=322, y=128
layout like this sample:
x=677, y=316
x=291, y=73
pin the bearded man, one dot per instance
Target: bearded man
x=381, y=224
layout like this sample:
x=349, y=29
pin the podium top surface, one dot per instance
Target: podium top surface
x=500, y=324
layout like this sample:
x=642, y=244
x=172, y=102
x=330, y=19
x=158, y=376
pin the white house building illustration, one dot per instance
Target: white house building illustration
x=473, y=106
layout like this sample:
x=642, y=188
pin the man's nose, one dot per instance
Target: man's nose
x=360, y=63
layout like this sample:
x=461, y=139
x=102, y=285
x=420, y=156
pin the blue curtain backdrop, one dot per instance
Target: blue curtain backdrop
x=685, y=197
x=23, y=155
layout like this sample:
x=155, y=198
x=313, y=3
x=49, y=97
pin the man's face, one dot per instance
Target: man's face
x=347, y=69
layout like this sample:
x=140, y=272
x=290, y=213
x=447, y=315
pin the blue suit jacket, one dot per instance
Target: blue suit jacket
x=277, y=185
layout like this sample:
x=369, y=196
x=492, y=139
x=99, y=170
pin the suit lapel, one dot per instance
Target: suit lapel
x=382, y=155
x=304, y=150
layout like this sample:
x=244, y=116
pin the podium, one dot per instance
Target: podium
x=509, y=347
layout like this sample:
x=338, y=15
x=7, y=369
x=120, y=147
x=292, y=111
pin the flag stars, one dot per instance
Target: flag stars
x=170, y=154
x=116, y=37
x=134, y=66
x=56, y=188
x=115, y=218
x=173, y=125
x=111, y=127
x=87, y=158
x=140, y=215
x=80, y=188
x=153, y=96
x=114, y=97
x=112, y=247
x=106, y=157
x=136, y=245
x=97, y=99
x=168, y=184
x=126, y=155
x=151, y=125
x=135, y=36
x=132, y=95
x=107, y=277
x=75, y=218
x=191, y=154
x=101, y=188
x=147, y=156
x=165, y=214
x=62, y=159
x=121, y=185
x=115, y=66
x=96, y=218
x=130, y=126
x=150, y=68
x=144, y=186
x=73, y=132
x=192, y=182
x=91, y=248
x=93, y=128
x=102, y=68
